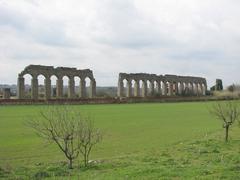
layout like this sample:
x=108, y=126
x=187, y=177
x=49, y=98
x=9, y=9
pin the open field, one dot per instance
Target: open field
x=140, y=140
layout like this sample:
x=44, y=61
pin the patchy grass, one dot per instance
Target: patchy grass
x=207, y=158
x=141, y=141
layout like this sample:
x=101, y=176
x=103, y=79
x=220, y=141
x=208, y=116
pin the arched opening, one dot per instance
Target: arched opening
x=53, y=79
x=168, y=88
x=41, y=86
x=148, y=88
x=77, y=86
x=131, y=90
x=27, y=86
x=140, y=88
x=124, y=87
x=88, y=81
x=65, y=86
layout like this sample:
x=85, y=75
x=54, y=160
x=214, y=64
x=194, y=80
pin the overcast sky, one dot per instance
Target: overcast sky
x=187, y=37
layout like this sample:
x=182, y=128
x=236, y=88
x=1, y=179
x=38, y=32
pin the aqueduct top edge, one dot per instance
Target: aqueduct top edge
x=155, y=77
x=48, y=71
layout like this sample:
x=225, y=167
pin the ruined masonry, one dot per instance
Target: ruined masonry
x=165, y=85
x=59, y=72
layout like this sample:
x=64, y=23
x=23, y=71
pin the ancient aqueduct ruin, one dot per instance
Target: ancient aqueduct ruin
x=143, y=85
x=137, y=85
x=59, y=72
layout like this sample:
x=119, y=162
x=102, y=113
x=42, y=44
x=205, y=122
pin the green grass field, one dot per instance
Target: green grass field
x=145, y=141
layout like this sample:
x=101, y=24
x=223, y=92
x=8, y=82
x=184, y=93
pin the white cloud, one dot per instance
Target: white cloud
x=188, y=37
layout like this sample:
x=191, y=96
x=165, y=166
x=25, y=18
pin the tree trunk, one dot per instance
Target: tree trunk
x=85, y=159
x=70, y=163
x=226, y=135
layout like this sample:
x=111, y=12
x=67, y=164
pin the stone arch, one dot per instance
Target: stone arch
x=77, y=83
x=129, y=88
x=65, y=80
x=27, y=86
x=136, y=87
x=148, y=87
x=139, y=89
x=170, y=88
x=188, y=88
x=82, y=87
x=88, y=86
x=175, y=87
x=53, y=83
x=41, y=86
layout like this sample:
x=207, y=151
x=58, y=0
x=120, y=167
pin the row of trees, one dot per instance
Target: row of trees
x=66, y=127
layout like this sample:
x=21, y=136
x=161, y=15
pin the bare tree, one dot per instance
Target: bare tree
x=89, y=136
x=65, y=127
x=228, y=112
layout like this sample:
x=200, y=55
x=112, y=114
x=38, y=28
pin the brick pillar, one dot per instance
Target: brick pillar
x=176, y=88
x=20, y=88
x=164, y=88
x=170, y=88
x=144, y=89
x=92, y=93
x=159, y=88
x=204, y=89
x=47, y=83
x=71, y=87
x=151, y=88
x=120, y=88
x=34, y=87
x=59, y=87
x=82, y=92
x=136, y=89
x=191, y=88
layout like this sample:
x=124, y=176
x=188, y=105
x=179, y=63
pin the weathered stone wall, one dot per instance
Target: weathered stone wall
x=59, y=72
x=167, y=85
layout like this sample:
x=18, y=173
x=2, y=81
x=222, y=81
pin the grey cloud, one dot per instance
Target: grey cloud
x=196, y=55
x=188, y=38
x=51, y=33
x=125, y=27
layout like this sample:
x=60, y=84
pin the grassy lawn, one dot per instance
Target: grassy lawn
x=140, y=141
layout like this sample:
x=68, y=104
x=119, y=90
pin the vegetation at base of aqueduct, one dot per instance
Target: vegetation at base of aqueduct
x=140, y=141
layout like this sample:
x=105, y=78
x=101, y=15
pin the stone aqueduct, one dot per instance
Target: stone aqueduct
x=166, y=85
x=137, y=85
x=59, y=72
